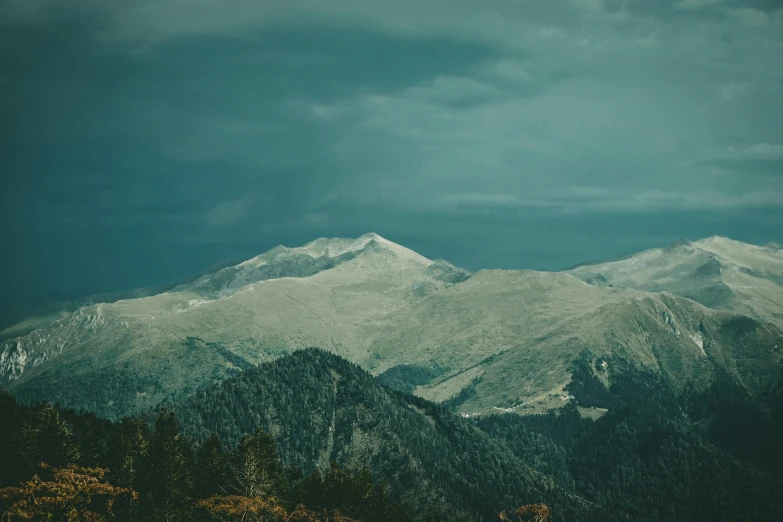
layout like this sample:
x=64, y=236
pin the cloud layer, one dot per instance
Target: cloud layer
x=146, y=140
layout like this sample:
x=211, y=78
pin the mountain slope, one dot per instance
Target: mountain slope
x=145, y=339
x=655, y=457
x=308, y=260
x=717, y=272
x=496, y=339
x=516, y=333
x=322, y=409
x=644, y=461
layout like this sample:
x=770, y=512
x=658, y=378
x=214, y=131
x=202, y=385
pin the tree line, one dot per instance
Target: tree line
x=59, y=463
x=262, y=444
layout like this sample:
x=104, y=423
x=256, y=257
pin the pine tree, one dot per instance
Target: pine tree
x=54, y=440
x=257, y=466
x=169, y=471
x=213, y=474
x=12, y=461
x=135, y=440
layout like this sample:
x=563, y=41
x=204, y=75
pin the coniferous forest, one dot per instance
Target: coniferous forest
x=313, y=437
x=61, y=465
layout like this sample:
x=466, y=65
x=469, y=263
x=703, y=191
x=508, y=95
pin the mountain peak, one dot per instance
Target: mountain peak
x=336, y=247
x=383, y=305
x=307, y=260
x=717, y=272
x=721, y=240
x=737, y=252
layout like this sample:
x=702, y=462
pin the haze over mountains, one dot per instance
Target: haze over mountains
x=496, y=339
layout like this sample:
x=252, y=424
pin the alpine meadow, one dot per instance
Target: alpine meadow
x=431, y=261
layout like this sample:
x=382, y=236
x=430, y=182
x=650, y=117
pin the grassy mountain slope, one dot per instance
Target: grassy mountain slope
x=717, y=272
x=496, y=339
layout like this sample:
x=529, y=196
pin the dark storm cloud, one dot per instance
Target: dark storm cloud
x=143, y=141
x=191, y=110
x=112, y=158
x=740, y=165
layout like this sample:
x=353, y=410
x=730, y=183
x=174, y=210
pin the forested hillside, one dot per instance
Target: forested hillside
x=322, y=408
x=656, y=455
x=75, y=467
x=707, y=455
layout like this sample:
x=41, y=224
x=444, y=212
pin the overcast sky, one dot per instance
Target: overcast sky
x=143, y=141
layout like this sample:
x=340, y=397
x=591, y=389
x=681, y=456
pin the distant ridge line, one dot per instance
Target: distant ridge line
x=628, y=255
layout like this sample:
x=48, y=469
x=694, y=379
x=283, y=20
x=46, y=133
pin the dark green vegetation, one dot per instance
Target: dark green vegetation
x=171, y=474
x=109, y=391
x=406, y=377
x=657, y=455
x=102, y=392
x=322, y=408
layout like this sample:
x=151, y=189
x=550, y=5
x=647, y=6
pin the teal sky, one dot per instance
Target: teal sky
x=144, y=141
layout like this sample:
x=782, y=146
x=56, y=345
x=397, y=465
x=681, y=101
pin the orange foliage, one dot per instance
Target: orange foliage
x=237, y=508
x=73, y=494
x=530, y=512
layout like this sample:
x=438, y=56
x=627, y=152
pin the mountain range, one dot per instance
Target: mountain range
x=494, y=340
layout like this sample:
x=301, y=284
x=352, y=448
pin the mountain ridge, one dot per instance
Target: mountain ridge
x=717, y=272
x=383, y=306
